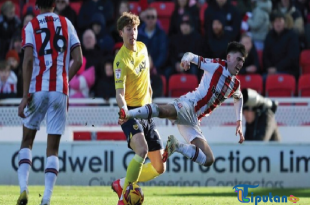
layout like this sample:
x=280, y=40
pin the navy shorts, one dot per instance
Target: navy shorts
x=148, y=127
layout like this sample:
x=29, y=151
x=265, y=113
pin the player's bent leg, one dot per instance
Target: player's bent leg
x=139, y=146
x=153, y=169
x=205, y=148
x=52, y=166
x=148, y=111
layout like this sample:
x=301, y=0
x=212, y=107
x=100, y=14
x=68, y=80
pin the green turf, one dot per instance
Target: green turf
x=64, y=195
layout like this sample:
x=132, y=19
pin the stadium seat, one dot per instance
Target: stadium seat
x=305, y=61
x=134, y=7
x=280, y=85
x=254, y=81
x=81, y=136
x=304, y=85
x=180, y=84
x=76, y=6
x=164, y=12
x=163, y=79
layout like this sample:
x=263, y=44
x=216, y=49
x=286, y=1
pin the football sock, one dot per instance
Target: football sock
x=148, y=173
x=192, y=152
x=145, y=112
x=25, y=160
x=51, y=172
x=133, y=170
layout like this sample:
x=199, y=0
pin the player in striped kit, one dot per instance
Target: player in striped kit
x=48, y=42
x=218, y=83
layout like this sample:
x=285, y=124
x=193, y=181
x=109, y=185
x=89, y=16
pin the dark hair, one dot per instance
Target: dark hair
x=45, y=4
x=276, y=14
x=4, y=65
x=234, y=47
x=126, y=19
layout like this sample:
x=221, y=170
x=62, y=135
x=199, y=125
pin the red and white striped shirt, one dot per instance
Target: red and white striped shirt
x=52, y=38
x=216, y=85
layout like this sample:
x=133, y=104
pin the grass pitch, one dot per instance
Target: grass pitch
x=73, y=195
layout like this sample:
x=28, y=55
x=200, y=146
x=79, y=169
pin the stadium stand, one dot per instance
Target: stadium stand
x=164, y=11
x=180, y=84
x=305, y=61
x=280, y=85
x=76, y=6
x=304, y=85
x=164, y=80
x=254, y=81
x=134, y=7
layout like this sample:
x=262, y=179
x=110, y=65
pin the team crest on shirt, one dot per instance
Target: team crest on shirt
x=136, y=127
x=118, y=73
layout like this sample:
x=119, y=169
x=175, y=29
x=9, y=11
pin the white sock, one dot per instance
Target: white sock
x=145, y=112
x=25, y=161
x=51, y=172
x=121, y=182
x=192, y=152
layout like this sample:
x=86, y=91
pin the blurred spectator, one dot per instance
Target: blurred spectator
x=90, y=7
x=232, y=18
x=182, y=7
x=9, y=23
x=156, y=81
x=281, y=50
x=81, y=83
x=259, y=114
x=244, y=6
x=123, y=6
x=105, y=85
x=8, y=81
x=218, y=39
x=117, y=47
x=91, y=51
x=104, y=40
x=303, y=6
x=189, y=40
x=251, y=64
x=27, y=18
x=63, y=8
x=293, y=16
x=13, y=59
x=154, y=38
x=259, y=22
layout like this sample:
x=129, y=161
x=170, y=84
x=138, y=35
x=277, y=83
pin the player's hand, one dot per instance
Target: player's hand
x=185, y=65
x=122, y=121
x=239, y=131
x=22, y=105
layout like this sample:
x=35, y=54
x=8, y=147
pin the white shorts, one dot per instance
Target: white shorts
x=187, y=120
x=51, y=104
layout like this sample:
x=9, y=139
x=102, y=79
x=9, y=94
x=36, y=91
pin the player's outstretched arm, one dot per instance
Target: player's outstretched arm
x=77, y=61
x=27, y=73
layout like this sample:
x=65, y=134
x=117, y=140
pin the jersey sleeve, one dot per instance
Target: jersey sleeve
x=74, y=39
x=208, y=64
x=28, y=36
x=119, y=69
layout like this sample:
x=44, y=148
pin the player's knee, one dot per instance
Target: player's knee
x=161, y=168
x=142, y=152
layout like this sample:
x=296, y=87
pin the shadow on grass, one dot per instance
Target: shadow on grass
x=279, y=192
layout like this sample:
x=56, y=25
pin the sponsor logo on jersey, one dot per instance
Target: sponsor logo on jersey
x=118, y=73
x=218, y=94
